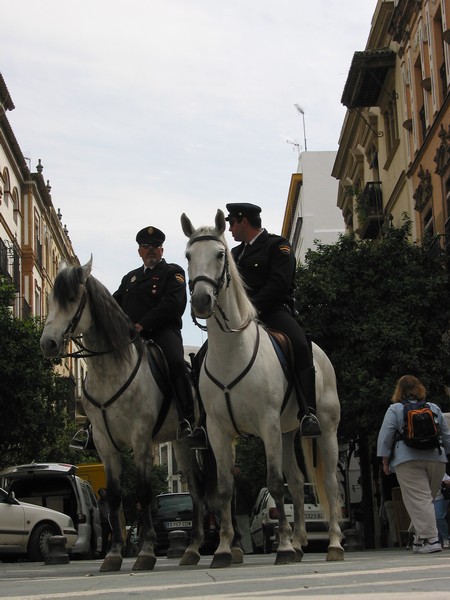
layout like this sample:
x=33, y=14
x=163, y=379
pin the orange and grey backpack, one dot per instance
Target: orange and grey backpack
x=420, y=426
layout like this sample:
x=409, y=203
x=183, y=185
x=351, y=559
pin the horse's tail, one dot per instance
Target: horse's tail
x=315, y=468
x=206, y=476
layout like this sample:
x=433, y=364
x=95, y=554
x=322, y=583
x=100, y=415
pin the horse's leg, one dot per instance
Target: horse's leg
x=329, y=448
x=146, y=558
x=187, y=463
x=113, y=468
x=224, y=451
x=327, y=486
x=295, y=481
x=275, y=483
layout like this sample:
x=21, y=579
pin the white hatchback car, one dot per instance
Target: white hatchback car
x=26, y=528
x=264, y=519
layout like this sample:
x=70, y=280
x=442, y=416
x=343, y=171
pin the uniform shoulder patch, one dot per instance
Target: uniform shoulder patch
x=180, y=278
x=284, y=248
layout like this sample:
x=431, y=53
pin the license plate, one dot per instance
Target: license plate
x=314, y=516
x=177, y=524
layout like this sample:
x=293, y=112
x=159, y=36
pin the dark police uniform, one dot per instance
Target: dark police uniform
x=268, y=267
x=156, y=299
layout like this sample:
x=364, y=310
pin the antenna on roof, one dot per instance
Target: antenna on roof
x=302, y=112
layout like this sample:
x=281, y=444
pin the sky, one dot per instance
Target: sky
x=145, y=109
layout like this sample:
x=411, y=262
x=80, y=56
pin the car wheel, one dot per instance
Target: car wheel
x=267, y=543
x=38, y=547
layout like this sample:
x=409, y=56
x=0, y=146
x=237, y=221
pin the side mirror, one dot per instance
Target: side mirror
x=11, y=497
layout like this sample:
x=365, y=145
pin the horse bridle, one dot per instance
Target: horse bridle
x=68, y=334
x=217, y=285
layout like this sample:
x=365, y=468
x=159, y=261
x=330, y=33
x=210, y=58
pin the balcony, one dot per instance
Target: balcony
x=366, y=78
x=369, y=208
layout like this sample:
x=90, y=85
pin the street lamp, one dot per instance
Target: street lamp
x=302, y=112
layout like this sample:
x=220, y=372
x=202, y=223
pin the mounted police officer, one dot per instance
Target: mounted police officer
x=154, y=297
x=267, y=265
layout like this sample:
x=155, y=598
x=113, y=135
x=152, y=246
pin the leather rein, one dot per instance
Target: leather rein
x=84, y=352
x=218, y=286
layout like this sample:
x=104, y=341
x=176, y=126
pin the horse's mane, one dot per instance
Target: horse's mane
x=244, y=304
x=110, y=323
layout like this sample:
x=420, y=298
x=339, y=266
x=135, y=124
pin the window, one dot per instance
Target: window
x=391, y=128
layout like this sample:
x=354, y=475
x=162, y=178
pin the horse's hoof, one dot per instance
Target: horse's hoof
x=190, y=558
x=237, y=555
x=221, y=560
x=298, y=554
x=285, y=557
x=335, y=553
x=146, y=562
x=111, y=563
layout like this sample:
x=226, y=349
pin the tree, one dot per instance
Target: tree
x=33, y=399
x=379, y=309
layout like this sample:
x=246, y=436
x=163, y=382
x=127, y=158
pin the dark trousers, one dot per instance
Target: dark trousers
x=171, y=343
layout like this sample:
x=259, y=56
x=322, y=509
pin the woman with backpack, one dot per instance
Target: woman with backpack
x=413, y=442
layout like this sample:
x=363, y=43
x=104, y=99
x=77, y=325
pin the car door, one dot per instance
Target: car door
x=12, y=524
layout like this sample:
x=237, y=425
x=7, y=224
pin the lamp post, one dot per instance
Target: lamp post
x=302, y=112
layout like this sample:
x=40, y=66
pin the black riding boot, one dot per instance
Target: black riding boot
x=184, y=404
x=309, y=423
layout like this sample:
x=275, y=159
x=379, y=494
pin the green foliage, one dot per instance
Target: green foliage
x=379, y=309
x=33, y=399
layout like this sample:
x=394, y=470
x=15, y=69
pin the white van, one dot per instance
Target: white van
x=57, y=486
x=264, y=519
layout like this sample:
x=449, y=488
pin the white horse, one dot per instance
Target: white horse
x=245, y=391
x=127, y=404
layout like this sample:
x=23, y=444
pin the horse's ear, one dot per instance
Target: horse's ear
x=87, y=268
x=220, y=221
x=188, y=228
x=62, y=265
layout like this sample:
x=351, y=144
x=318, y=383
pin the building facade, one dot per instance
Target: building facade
x=393, y=156
x=311, y=213
x=33, y=240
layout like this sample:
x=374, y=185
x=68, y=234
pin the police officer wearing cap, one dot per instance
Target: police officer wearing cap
x=267, y=265
x=154, y=297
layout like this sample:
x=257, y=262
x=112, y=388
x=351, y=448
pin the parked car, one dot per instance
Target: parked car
x=57, y=486
x=264, y=519
x=26, y=528
x=172, y=512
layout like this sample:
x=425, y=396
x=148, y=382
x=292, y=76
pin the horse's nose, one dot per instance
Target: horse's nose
x=50, y=347
x=202, y=305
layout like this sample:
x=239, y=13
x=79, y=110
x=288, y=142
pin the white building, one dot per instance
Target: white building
x=311, y=210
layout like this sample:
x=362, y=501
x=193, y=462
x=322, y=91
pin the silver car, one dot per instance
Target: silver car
x=26, y=528
x=56, y=486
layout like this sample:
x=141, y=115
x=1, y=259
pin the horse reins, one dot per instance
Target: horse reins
x=84, y=352
x=217, y=287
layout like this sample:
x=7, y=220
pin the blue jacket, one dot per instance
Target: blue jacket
x=393, y=423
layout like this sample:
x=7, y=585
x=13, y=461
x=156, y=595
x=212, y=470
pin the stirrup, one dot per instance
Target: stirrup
x=198, y=439
x=310, y=426
x=184, y=430
x=80, y=440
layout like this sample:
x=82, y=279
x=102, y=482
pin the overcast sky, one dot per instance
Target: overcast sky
x=142, y=110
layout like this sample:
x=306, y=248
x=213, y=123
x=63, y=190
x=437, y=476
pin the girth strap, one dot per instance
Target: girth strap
x=227, y=388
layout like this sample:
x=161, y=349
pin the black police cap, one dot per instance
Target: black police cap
x=150, y=235
x=238, y=210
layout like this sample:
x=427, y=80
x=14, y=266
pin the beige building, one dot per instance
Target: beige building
x=33, y=239
x=392, y=156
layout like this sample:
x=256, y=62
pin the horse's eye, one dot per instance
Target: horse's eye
x=188, y=256
x=221, y=254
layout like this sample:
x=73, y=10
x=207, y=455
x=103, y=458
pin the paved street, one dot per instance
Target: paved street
x=372, y=575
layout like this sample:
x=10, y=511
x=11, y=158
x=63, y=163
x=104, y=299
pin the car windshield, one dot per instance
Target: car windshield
x=169, y=505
